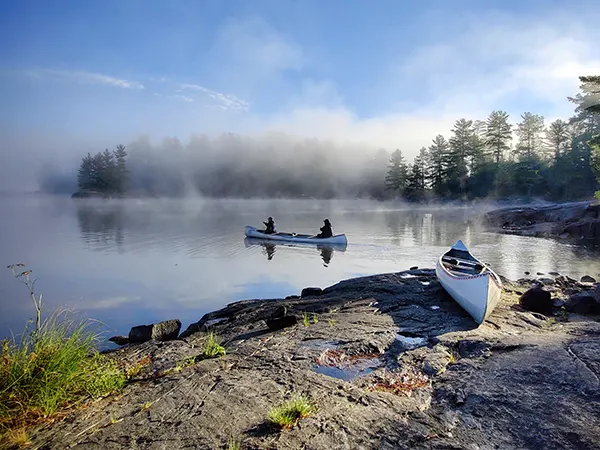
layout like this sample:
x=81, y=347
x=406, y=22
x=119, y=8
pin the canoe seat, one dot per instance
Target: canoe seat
x=462, y=266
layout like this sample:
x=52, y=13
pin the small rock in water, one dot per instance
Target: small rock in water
x=527, y=273
x=538, y=300
x=414, y=268
x=587, y=279
x=540, y=273
x=554, y=274
x=119, y=340
x=311, y=292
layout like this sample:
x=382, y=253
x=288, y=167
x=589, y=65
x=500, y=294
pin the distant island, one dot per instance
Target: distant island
x=103, y=175
x=556, y=162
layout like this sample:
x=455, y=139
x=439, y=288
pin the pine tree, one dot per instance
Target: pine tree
x=121, y=171
x=498, y=134
x=529, y=131
x=558, y=137
x=415, y=186
x=464, y=146
x=422, y=160
x=395, y=180
x=437, y=163
x=84, y=175
x=108, y=176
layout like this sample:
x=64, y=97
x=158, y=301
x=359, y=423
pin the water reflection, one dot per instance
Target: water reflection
x=102, y=228
x=269, y=248
x=137, y=261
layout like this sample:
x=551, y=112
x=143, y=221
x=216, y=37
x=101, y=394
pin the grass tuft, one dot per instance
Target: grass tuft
x=54, y=367
x=212, y=347
x=288, y=414
x=331, y=322
x=17, y=438
x=315, y=318
x=305, y=320
x=233, y=444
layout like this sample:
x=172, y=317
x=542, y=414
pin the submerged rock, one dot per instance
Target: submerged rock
x=119, y=340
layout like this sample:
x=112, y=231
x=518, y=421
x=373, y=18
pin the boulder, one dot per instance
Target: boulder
x=585, y=302
x=538, y=300
x=280, y=319
x=311, y=292
x=162, y=331
x=587, y=279
x=281, y=322
x=414, y=268
x=167, y=330
x=141, y=333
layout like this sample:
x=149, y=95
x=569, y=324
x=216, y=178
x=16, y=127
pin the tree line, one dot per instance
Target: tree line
x=483, y=158
x=105, y=172
x=478, y=159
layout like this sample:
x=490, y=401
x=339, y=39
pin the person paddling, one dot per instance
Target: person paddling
x=326, y=230
x=270, y=226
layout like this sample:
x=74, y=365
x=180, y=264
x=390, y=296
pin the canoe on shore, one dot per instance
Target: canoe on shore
x=295, y=237
x=471, y=283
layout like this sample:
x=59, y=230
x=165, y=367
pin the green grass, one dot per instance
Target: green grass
x=288, y=414
x=212, y=347
x=233, y=444
x=331, y=322
x=305, y=320
x=54, y=367
x=315, y=318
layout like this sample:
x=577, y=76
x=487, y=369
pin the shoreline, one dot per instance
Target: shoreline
x=390, y=361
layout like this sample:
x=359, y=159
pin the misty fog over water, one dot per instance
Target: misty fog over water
x=132, y=262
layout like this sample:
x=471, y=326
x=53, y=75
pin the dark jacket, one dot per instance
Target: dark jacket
x=270, y=227
x=326, y=231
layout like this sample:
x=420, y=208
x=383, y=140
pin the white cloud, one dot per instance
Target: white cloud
x=497, y=62
x=225, y=101
x=184, y=98
x=80, y=76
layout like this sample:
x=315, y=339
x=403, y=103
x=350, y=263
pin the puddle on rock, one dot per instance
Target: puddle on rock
x=319, y=344
x=337, y=364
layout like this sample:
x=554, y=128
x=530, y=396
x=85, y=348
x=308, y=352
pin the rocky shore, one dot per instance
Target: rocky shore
x=390, y=362
x=579, y=220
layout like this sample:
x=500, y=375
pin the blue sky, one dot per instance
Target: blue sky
x=390, y=73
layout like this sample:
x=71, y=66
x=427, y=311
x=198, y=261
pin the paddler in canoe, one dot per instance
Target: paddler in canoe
x=270, y=226
x=326, y=230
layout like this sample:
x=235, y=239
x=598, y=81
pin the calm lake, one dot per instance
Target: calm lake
x=133, y=262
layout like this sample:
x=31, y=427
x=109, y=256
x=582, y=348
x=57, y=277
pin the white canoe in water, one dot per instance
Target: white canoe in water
x=294, y=237
x=471, y=283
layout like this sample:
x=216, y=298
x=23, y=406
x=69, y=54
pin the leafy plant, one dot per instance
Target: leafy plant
x=212, y=347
